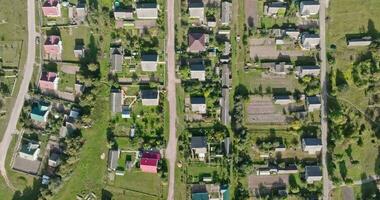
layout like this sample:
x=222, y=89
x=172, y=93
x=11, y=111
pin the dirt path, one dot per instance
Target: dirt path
x=171, y=150
x=26, y=77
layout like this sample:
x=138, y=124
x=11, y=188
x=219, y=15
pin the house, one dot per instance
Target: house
x=53, y=47
x=310, y=41
x=292, y=33
x=116, y=57
x=197, y=71
x=149, y=62
x=313, y=103
x=198, y=146
x=40, y=112
x=280, y=68
x=198, y=104
x=361, y=42
x=313, y=173
x=308, y=8
x=48, y=82
x=113, y=157
x=282, y=99
x=290, y=169
x=79, y=50
x=275, y=9
x=150, y=97
x=51, y=8
x=29, y=150
x=116, y=101
x=311, y=70
x=54, y=160
x=311, y=145
x=123, y=13
x=199, y=192
x=147, y=11
x=197, y=42
x=196, y=9
x=126, y=112
x=149, y=161
x=226, y=13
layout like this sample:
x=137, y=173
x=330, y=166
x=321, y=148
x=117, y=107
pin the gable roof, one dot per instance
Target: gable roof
x=116, y=101
x=313, y=100
x=116, y=59
x=113, y=156
x=226, y=12
x=312, y=141
x=150, y=158
x=50, y=3
x=197, y=100
x=197, y=42
x=198, y=142
x=39, y=110
x=147, y=10
x=197, y=67
x=313, y=171
x=199, y=192
x=149, y=94
x=52, y=40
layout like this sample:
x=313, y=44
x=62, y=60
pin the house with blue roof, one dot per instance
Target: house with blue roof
x=40, y=112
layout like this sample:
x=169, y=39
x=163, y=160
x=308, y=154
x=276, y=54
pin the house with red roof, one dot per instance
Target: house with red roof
x=149, y=161
x=48, y=82
x=197, y=42
x=53, y=47
x=51, y=8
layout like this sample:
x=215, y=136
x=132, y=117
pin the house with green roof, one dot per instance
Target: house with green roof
x=40, y=112
x=29, y=150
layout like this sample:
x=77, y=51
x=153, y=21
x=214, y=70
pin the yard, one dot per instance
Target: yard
x=357, y=155
x=66, y=82
x=72, y=36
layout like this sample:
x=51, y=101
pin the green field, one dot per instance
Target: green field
x=347, y=18
x=10, y=52
x=70, y=36
x=66, y=82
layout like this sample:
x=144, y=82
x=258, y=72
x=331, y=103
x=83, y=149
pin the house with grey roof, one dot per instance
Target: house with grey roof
x=359, y=42
x=198, y=146
x=283, y=99
x=54, y=159
x=113, y=157
x=309, y=70
x=308, y=8
x=147, y=10
x=149, y=62
x=310, y=41
x=116, y=57
x=116, y=101
x=150, y=97
x=198, y=71
x=29, y=150
x=313, y=103
x=196, y=9
x=292, y=33
x=275, y=9
x=312, y=174
x=123, y=13
x=280, y=68
x=198, y=104
x=311, y=145
x=226, y=13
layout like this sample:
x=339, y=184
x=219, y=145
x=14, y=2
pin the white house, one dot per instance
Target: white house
x=198, y=146
x=147, y=11
x=275, y=8
x=196, y=10
x=359, y=42
x=198, y=104
x=311, y=145
x=226, y=13
x=197, y=71
x=311, y=70
x=29, y=151
x=282, y=99
x=308, y=8
x=150, y=97
x=149, y=62
x=313, y=103
x=312, y=174
x=310, y=41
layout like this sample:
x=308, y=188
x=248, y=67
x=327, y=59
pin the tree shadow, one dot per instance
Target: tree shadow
x=369, y=190
x=29, y=193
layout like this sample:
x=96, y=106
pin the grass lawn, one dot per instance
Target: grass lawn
x=66, y=82
x=69, y=37
x=15, y=22
x=89, y=172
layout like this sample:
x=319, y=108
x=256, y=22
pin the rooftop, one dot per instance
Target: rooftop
x=198, y=142
x=313, y=171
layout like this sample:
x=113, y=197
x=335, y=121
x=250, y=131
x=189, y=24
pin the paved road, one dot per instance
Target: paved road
x=171, y=151
x=324, y=128
x=26, y=77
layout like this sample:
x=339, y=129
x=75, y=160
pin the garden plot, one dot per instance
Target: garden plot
x=263, y=110
x=265, y=48
x=263, y=184
x=10, y=53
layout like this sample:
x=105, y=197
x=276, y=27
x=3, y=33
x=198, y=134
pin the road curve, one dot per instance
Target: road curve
x=171, y=150
x=324, y=127
x=26, y=77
